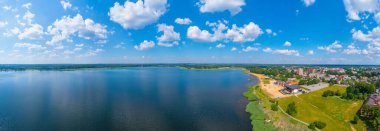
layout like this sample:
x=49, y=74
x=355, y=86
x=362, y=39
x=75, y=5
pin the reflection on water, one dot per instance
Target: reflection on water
x=168, y=99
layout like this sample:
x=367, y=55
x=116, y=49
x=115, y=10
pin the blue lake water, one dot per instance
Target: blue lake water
x=136, y=99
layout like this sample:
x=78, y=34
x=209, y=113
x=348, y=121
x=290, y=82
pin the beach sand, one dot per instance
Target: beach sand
x=271, y=89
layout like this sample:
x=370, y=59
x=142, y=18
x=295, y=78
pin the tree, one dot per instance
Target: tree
x=292, y=109
x=274, y=107
x=355, y=120
x=320, y=124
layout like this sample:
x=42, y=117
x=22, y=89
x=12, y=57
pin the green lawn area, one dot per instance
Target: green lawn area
x=334, y=111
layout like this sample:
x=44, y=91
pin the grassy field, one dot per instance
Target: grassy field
x=334, y=111
x=260, y=110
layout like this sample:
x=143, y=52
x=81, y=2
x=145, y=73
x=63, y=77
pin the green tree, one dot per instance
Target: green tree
x=292, y=109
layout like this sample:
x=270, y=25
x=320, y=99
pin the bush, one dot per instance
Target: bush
x=319, y=124
x=292, y=109
x=274, y=107
x=328, y=93
x=311, y=126
x=355, y=120
x=337, y=93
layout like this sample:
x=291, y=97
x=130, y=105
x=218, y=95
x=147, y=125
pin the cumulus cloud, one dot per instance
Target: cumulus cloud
x=221, y=32
x=210, y=6
x=35, y=31
x=194, y=33
x=372, y=38
x=233, y=49
x=65, y=4
x=250, y=48
x=308, y=2
x=243, y=34
x=355, y=8
x=183, y=21
x=28, y=16
x=331, y=48
x=282, y=51
x=220, y=45
x=377, y=17
x=169, y=36
x=3, y=23
x=310, y=52
x=29, y=46
x=351, y=49
x=144, y=45
x=66, y=27
x=287, y=43
x=27, y=5
x=92, y=53
x=137, y=15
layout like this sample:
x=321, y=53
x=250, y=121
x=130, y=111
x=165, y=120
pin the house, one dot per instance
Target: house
x=293, y=89
x=372, y=100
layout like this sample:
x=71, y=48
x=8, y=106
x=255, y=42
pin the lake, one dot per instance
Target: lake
x=142, y=99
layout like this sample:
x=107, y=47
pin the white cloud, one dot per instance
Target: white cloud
x=310, y=52
x=331, y=48
x=84, y=28
x=28, y=16
x=220, y=45
x=194, y=33
x=79, y=45
x=29, y=46
x=27, y=5
x=221, y=32
x=233, y=49
x=137, y=15
x=92, y=53
x=268, y=31
x=282, y=52
x=3, y=23
x=68, y=52
x=7, y=8
x=287, y=43
x=355, y=8
x=377, y=17
x=250, y=48
x=35, y=31
x=308, y=2
x=65, y=4
x=210, y=6
x=144, y=45
x=183, y=21
x=351, y=49
x=169, y=36
x=243, y=34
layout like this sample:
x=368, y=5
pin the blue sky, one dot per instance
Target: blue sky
x=190, y=31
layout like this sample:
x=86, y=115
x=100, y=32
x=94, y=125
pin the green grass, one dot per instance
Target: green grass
x=334, y=111
x=258, y=118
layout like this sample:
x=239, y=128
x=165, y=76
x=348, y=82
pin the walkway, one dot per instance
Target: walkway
x=307, y=124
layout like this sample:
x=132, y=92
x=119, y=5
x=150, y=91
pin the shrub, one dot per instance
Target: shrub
x=320, y=124
x=355, y=120
x=292, y=109
x=337, y=93
x=311, y=126
x=274, y=107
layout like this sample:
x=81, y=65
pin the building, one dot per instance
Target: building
x=372, y=100
x=300, y=71
x=292, y=89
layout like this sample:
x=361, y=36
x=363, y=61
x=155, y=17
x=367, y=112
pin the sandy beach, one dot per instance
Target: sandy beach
x=271, y=89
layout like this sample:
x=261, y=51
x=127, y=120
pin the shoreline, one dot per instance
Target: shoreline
x=271, y=89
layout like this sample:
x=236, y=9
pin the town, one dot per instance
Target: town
x=328, y=89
